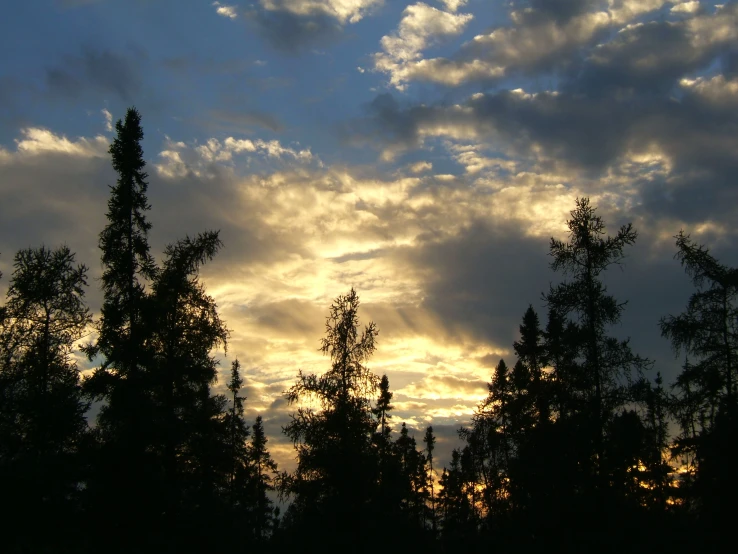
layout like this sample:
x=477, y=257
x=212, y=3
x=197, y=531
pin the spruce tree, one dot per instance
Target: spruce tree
x=263, y=469
x=126, y=470
x=608, y=367
x=706, y=403
x=336, y=465
x=42, y=414
x=430, y=444
x=187, y=431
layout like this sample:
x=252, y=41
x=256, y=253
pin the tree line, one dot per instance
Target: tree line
x=577, y=446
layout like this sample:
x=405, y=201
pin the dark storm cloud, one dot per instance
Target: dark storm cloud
x=291, y=33
x=99, y=70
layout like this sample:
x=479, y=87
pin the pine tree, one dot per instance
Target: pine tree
x=42, y=414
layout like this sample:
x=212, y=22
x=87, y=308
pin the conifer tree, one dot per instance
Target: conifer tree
x=336, y=468
x=42, y=423
x=430, y=444
x=264, y=468
x=125, y=466
x=188, y=436
x=706, y=399
x=237, y=434
x=608, y=367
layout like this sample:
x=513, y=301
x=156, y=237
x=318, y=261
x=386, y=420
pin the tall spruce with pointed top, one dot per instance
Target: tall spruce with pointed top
x=125, y=465
x=430, y=445
x=42, y=423
x=127, y=265
x=263, y=469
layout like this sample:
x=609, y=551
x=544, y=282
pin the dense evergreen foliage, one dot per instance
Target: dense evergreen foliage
x=570, y=450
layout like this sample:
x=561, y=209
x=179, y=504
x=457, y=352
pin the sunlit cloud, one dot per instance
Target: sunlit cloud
x=225, y=11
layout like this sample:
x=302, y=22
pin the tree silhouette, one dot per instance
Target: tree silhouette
x=706, y=405
x=336, y=465
x=125, y=467
x=42, y=423
x=263, y=470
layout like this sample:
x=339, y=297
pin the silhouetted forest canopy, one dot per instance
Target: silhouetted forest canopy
x=579, y=446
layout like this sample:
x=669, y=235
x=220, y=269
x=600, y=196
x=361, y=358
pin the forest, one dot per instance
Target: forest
x=579, y=446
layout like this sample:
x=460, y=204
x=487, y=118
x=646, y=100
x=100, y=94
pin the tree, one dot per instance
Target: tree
x=531, y=352
x=263, y=470
x=237, y=435
x=188, y=438
x=608, y=365
x=126, y=469
x=42, y=415
x=706, y=405
x=430, y=444
x=336, y=466
x=707, y=332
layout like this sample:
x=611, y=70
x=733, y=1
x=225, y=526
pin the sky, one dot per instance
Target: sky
x=423, y=153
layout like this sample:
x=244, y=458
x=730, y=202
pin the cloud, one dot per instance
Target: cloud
x=454, y=5
x=225, y=11
x=243, y=121
x=445, y=387
x=299, y=26
x=41, y=141
x=108, y=119
x=96, y=70
x=686, y=7
x=544, y=35
x=345, y=11
x=421, y=26
x=179, y=160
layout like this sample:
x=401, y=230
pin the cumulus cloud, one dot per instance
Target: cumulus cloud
x=108, y=119
x=297, y=26
x=345, y=11
x=421, y=26
x=225, y=11
x=543, y=35
x=178, y=159
x=37, y=141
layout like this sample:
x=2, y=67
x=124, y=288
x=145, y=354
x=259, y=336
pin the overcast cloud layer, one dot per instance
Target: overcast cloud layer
x=421, y=152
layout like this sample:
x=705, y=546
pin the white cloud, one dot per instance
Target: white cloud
x=623, y=11
x=420, y=167
x=108, y=119
x=421, y=26
x=686, y=7
x=38, y=141
x=178, y=159
x=528, y=43
x=351, y=11
x=225, y=11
